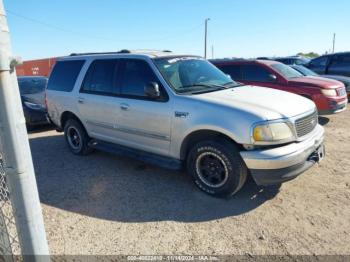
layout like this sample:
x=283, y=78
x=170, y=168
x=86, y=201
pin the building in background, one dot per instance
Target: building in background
x=40, y=67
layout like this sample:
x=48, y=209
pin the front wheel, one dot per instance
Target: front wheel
x=217, y=167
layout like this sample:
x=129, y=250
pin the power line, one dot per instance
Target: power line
x=58, y=28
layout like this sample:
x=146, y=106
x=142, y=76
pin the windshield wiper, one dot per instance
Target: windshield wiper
x=233, y=84
x=206, y=85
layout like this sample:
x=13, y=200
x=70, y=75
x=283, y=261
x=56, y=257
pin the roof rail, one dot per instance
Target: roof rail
x=123, y=51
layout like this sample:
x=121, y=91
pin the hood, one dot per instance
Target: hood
x=265, y=103
x=316, y=81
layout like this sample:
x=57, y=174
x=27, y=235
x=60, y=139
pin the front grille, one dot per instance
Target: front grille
x=307, y=124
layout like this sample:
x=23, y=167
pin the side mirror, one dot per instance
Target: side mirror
x=152, y=90
x=273, y=78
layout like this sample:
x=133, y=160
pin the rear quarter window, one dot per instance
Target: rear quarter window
x=64, y=75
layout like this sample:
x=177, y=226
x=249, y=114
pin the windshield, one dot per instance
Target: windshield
x=192, y=75
x=28, y=86
x=301, y=61
x=305, y=71
x=286, y=71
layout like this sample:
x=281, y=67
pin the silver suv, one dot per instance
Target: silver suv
x=181, y=111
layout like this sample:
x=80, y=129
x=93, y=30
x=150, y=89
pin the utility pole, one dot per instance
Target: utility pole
x=333, y=42
x=206, y=37
x=212, y=52
x=17, y=157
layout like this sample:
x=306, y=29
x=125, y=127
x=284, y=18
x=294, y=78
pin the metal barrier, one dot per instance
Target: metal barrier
x=9, y=243
x=19, y=197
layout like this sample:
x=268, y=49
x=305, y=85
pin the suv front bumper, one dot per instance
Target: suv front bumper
x=280, y=164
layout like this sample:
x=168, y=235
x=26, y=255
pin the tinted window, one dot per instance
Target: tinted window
x=31, y=85
x=321, y=61
x=233, y=70
x=136, y=75
x=256, y=73
x=342, y=60
x=100, y=77
x=284, y=61
x=64, y=75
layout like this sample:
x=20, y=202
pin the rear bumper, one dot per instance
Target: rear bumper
x=277, y=165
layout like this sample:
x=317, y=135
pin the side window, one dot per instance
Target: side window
x=64, y=75
x=233, y=70
x=342, y=60
x=136, y=75
x=256, y=73
x=322, y=61
x=284, y=61
x=100, y=78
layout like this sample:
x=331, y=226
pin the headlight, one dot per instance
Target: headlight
x=329, y=92
x=273, y=132
x=33, y=106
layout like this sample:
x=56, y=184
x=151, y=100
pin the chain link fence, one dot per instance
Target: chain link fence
x=9, y=244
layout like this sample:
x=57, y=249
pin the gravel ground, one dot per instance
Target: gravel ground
x=105, y=204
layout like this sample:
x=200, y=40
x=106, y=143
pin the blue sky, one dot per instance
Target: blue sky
x=241, y=28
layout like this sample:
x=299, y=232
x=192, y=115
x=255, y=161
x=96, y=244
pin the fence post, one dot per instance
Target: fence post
x=17, y=157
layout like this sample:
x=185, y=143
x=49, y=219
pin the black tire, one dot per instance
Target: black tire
x=217, y=167
x=76, y=137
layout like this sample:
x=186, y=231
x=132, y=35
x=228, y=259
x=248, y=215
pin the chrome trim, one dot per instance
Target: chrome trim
x=142, y=133
x=100, y=124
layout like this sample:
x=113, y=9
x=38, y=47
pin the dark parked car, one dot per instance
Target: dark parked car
x=32, y=90
x=308, y=72
x=293, y=60
x=333, y=64
x=329, y=95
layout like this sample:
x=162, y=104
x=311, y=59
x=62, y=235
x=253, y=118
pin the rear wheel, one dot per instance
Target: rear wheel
x=77, y=138
x=217, y=167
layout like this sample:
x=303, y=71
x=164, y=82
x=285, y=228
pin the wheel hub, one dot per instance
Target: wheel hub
x=211, y=169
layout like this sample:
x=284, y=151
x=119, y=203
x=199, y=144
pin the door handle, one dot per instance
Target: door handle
x=81, y=100
x=124, y=107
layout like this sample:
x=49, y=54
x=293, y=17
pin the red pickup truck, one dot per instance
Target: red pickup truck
x=329, y=95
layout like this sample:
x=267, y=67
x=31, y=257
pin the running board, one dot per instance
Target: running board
x=150, y=158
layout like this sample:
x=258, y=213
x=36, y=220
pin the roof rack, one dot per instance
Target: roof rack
x=123, y=51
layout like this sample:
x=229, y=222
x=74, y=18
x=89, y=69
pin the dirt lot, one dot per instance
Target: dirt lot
x=104, y=204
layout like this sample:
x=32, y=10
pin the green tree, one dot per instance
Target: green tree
x=309, y=55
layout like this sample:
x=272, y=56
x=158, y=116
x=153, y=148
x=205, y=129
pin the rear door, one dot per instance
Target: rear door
x=340, y=65
x=97, y=102
x=143, y=123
